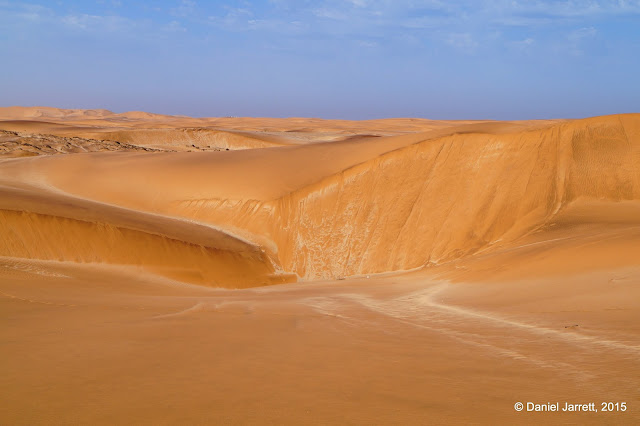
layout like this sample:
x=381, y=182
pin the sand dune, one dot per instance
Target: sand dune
x=477, y=261
x=449, y=205
x=59, y=113
x=371, y=205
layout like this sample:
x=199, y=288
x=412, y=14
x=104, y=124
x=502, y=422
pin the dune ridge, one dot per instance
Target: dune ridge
x=36, y=236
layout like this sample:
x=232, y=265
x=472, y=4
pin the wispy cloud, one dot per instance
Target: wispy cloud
x=175, y=27
x=466, y=21
x=329, y=14
x=96, y=23
x=522, y=47
x=547, y=12
x=12, y=12
x=462, y=41
x=577, y=39
x=358, y=3
x=367, y=44
x=233, y=18
x=522, y=44
x=582, y=33
x=185, y=8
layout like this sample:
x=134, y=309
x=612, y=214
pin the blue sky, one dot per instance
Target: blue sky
x=354, y=59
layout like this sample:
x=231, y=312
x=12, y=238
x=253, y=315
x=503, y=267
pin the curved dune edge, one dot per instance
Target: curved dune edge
x=36, y=236
x=352, y=207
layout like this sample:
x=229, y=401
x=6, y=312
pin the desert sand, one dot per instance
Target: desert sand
x=174, y=270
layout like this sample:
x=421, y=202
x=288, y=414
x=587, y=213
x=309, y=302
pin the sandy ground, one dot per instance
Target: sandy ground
x=318, y=272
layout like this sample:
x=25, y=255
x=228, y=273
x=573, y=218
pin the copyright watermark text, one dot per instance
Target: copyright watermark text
x=594, y=407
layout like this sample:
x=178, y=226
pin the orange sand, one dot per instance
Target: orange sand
x=434, y=271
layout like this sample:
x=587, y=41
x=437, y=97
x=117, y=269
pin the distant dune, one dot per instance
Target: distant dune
x=413, y=242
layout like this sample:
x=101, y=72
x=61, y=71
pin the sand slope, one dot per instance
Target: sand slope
x=101, y=344
x=436, y=201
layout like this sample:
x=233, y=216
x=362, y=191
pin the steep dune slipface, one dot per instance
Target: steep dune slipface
x=38, y=223
x=443, y=199
x=35, y=236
